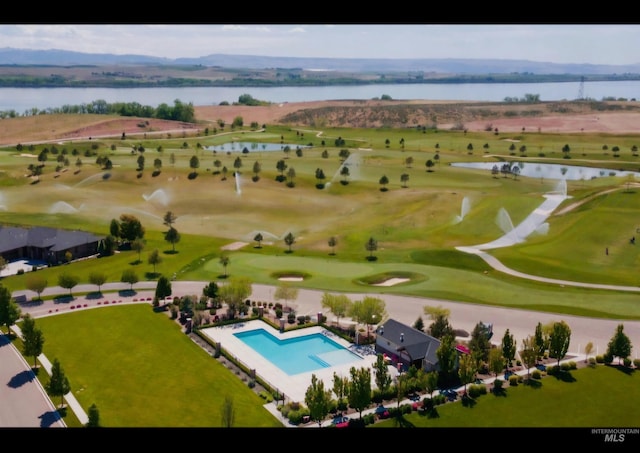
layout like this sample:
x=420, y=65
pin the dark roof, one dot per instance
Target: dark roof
x=418, y=344
x=53, y=239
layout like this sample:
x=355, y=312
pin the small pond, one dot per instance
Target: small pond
x=551, y=171
x=239, y=147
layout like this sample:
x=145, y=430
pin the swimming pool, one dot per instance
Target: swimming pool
x=300, y=354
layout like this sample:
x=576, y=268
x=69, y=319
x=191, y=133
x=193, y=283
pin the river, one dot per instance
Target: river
x=22, y=100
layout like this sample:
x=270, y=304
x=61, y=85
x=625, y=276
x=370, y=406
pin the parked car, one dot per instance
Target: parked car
x=341, y=421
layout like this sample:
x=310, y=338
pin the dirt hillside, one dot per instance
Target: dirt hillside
x=570, y=117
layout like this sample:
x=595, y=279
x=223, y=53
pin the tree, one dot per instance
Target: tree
x=224, y=261
x=383, y=182
x=163, y=288
x=369, y=310
x=466, y=370
x=440, y=327
x=98, y=278
x=539, y=340
x=129, y=276
x=169, y=219
x=289, y=239
x=281, y=166
x=344, y=172
x=9, y=309
x=210, y=291
x=285, y=292
x=227, y=412
x=447, y=356
x=257, y=168
x=291, y=173
x=237, y=163
x=431, y=382
x=154, y=259
x=559, y=340
x=360, y=389
x=404, y=177
x=317, y=400
x=58, y=383
x=588, y=349
x=33, y=339
x=340, y=388
x=258, y=238
x=381, y=374
x=93, y=417
x=332, y=243
x=131, y=228
x=338, y=304
x=138, y=246
x=619, y=345
x=496, y=361
x=140, y=162
x=429, y=164
x=234, y=293
x=408, y=162
x=114, y=228
x=320, y=176
x=479, y=345
x=67, y=281
x=508, y=348
x=371, y=246
x=36, y=282
x=172, y=237
x=528, y=354
x=194, y=163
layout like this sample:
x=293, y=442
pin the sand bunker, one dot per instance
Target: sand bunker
x=234, y=246
x=291, y=279
x=392, y=281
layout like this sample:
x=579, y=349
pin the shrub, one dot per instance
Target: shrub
x=592, y=361
x=636, y=363
x=476, y=390
x=626, y=361
x=600, y=358
x=498, y=383
x=513, y=380
x=536, y=374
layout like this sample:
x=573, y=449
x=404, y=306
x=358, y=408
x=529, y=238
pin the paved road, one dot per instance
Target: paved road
x=25, y=404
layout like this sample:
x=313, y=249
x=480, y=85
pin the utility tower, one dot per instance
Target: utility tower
x=581, y=89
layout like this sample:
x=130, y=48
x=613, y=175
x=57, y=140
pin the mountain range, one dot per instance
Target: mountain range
x=55, y=57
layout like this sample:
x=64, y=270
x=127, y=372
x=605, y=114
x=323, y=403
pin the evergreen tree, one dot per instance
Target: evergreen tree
x=94, y=417
x=59, y=383
x=33, y=340
x=619, y=345
x=9, y=309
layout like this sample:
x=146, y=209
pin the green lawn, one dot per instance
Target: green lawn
x=604, y=396
x=141, y=371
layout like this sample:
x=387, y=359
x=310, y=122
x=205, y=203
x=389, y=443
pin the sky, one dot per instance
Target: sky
x=612, y=44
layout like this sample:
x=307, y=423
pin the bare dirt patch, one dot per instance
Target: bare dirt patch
x=234, y=246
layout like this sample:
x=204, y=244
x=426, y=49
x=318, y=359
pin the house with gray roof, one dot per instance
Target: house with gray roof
x=46, y=244
x=405, y=346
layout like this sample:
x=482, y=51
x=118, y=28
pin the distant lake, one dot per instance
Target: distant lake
x=252, y=146
x=550, y=171
x=22, y=100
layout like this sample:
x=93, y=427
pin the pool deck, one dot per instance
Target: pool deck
x=293, y=387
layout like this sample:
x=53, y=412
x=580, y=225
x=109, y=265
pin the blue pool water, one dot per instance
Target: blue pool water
x=300, y=354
